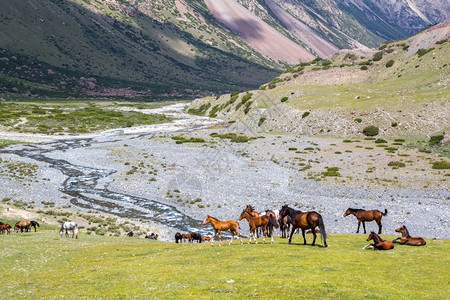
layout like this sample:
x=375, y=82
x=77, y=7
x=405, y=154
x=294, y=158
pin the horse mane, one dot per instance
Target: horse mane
x=355, y=209
x=213, y=218
x=406, y=230
x=251, y=207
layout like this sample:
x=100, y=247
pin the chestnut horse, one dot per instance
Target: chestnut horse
x=186, y=236
x=380, y=244
x=406, y=239
x=366, y=216
x=223, y=226
x=5, y=227
x=305, y=220
x=255, y=222
x=22, y=225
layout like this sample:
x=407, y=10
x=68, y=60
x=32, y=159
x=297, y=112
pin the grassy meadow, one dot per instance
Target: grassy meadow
x=43, y=265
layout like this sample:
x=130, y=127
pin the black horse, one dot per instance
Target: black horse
x=196, y=237
x=178, y=237
x=34, y=224
x=305, y=220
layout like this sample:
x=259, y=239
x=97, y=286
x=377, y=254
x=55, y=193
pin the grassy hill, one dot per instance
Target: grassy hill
x=401, y=87
x=43, y=265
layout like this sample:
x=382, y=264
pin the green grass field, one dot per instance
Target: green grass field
x=42, y=265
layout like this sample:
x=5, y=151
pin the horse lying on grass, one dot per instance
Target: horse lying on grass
x=406, y=239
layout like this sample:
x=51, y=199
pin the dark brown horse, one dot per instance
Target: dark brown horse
x=255, y=222
x=305, y=220
x=223, y=226
x=186, y=237
x=5, y=227
x=378, y=243
x=178, y=237
x=406, y=239
x=366, y=216
x=22, y=225
x=285, y=225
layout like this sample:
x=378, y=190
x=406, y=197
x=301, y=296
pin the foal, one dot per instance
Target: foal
x=406, y=239
x=222, y=226
x=255, y=222
x=380, y=244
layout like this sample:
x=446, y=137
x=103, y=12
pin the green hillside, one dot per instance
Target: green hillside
x=399, y=87
x=117, y=267
x=98, y=48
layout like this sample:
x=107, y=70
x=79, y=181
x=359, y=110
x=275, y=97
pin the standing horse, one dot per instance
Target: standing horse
x=305, y=220
x=34, y=224
x=380, y=244
x=285, y=225
x=255, y=222
x=366, y=216
x=22, y=225
x=69, y=226
x=186, y=237
x=5, y=227
x=406, y=239
x=223, y=226
x=178, y=237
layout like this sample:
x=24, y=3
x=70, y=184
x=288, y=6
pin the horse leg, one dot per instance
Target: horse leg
x=313, y=230
x=304, y=238
x=364, y=226
x=292, y=233
x=212, y=238
x=379, y=226
x=359, y=224
x=232, y=237
x=220, y=238
x=264, y=234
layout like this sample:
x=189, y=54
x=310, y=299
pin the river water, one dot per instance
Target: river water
x=82, y=182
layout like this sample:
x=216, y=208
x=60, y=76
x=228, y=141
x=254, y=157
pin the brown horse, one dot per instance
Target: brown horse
x=5, y=227
x=206, y=239
x=186, y=236
x=285, y=225
x=223, y=226
x=22, y=225
x=366, y=216
x=378, y=243
x=305, y=220
x=406, y=239
x=251, y=210
x=255, y=222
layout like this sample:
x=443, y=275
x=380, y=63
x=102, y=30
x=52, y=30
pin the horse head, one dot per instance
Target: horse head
x=243, y=214
x=347, y=212
x=400, y=229
x=372, y=236
x=207, y=220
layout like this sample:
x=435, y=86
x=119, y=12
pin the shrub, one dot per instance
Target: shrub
x=442, y=164
x=394, y=124
x=331, y=171
x=435, y=140
x=380, y=141
x=305, y=114
x=377, y=56
x=370, y=130
x=359, y=120
x=399, y=140
x=396, y=164
x=284, y=99
x=390, y=63
x=422, y=52
x=364, y=68
x=347, y=141
x=261, y=120
x=406, y=47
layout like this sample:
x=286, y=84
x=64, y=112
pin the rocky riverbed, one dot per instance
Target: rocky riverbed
x=143, y=173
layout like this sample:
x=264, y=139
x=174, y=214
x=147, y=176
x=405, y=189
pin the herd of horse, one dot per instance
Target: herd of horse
x=288, y=218
x=23, y=226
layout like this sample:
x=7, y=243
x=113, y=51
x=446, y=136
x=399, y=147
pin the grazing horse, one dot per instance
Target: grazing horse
x=5, y=227
x=22, y=225
x=366, y=216
x=261, y=221
x=206, y=239
x=406, y=239
x=69, y=226
x=186, y=236
x=151, y=236
x=223, y=226
x=305, y=220
x=196, y=237
x=130, y=234
x=380, y=244
x=34, y=224
x=178, y=237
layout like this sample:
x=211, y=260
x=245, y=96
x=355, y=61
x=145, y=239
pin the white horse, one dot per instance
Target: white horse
x=69, y=226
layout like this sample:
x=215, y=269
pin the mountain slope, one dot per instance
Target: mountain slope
x=402, y=87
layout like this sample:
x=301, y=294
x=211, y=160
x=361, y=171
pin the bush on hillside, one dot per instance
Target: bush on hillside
x=371, y=130
x=364, y=68
x=441, y=165
x=435, y=140
x=284, y=99
x=390, y=63
x=377, y=56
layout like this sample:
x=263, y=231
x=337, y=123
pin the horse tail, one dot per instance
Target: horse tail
x=323, y=233
x=272, y=222
x=385, y=212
